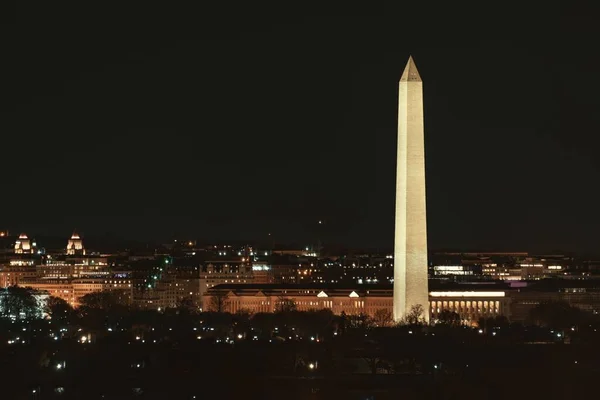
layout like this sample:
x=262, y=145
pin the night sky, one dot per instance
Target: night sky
x=154, y=122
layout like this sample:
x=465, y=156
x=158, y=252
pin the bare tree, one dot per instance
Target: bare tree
x=219, y=302
x=383, y=317
x=416, y=315
x=185, y=305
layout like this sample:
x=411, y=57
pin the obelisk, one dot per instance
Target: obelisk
x=410, y=244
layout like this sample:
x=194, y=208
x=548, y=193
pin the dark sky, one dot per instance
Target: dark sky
x=151, y=122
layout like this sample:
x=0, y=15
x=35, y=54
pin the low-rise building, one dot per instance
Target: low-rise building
x=471, y=305
x=224, y=272
x=71, y=290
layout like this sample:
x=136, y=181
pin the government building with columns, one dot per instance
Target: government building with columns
x=471, y=304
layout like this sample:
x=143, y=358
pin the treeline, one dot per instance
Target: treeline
x=102, y=310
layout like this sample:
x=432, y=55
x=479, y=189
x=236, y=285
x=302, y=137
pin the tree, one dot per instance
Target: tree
x=383, y=317
x=219, y=301
x=360, y=321
x=416, y=315
x=186, y=305
x=20, y=303
x=556, y=314
x=100, y=309
x=244, y=313
x=58, y=309
x=285, y=304
x=264, y=323
x=100, y=300
x=372, y=353
x=450, y=318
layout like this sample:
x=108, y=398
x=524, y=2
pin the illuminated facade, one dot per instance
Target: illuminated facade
x=71, y=290
x=75, y=246
x=469, y=305
x=23, y=245
x=410, y=244
x=505, y=266
x=224, y=272
x=166, y=292
x=11, y=275
x=454, y=270
x=266, y=298
x=73, y=267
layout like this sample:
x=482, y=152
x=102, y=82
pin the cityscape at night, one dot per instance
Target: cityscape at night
x=200, y=204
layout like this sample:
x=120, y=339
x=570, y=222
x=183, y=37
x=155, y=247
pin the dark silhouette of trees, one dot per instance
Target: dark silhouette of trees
x=98, y=309
x=449, y=318
x=285, y=304
x=244, y=312
x=59, y=310
x=264, y=323
x=361, y=321
x=307, y=323
x=556, y=315
x=499, y=321
x=186, y=305
x=383, y=317
x=372, y=356
x=416, y=316
x=219, y=302
x=100, y=300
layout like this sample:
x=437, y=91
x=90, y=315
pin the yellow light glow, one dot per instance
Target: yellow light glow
x=467, y=294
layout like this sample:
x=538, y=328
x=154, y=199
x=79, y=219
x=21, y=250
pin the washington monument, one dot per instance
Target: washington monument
x=410, y=243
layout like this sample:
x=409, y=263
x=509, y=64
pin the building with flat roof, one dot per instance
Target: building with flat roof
x=470, y=302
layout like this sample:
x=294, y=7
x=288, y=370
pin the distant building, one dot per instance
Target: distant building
x=505, y=266
x=306, y=252
x=71, y=290
x=219, y=272
x=160, y=295
x=73, y=267
x=23, y=245
x=583, y=294
x=471, y=304
x=12, y=275
x=68, y=276
x=75, y=246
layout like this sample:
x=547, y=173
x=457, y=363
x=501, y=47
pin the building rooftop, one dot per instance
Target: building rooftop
x=361, y=290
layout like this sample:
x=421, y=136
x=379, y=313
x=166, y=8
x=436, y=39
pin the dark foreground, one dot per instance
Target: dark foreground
x=280, y=371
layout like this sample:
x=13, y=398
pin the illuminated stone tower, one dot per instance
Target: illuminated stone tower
x=410, y=244
x=75, y=245
x=23, y=245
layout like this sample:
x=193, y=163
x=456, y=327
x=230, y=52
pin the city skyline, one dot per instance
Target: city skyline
x=281, y=198
x=271, y=127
